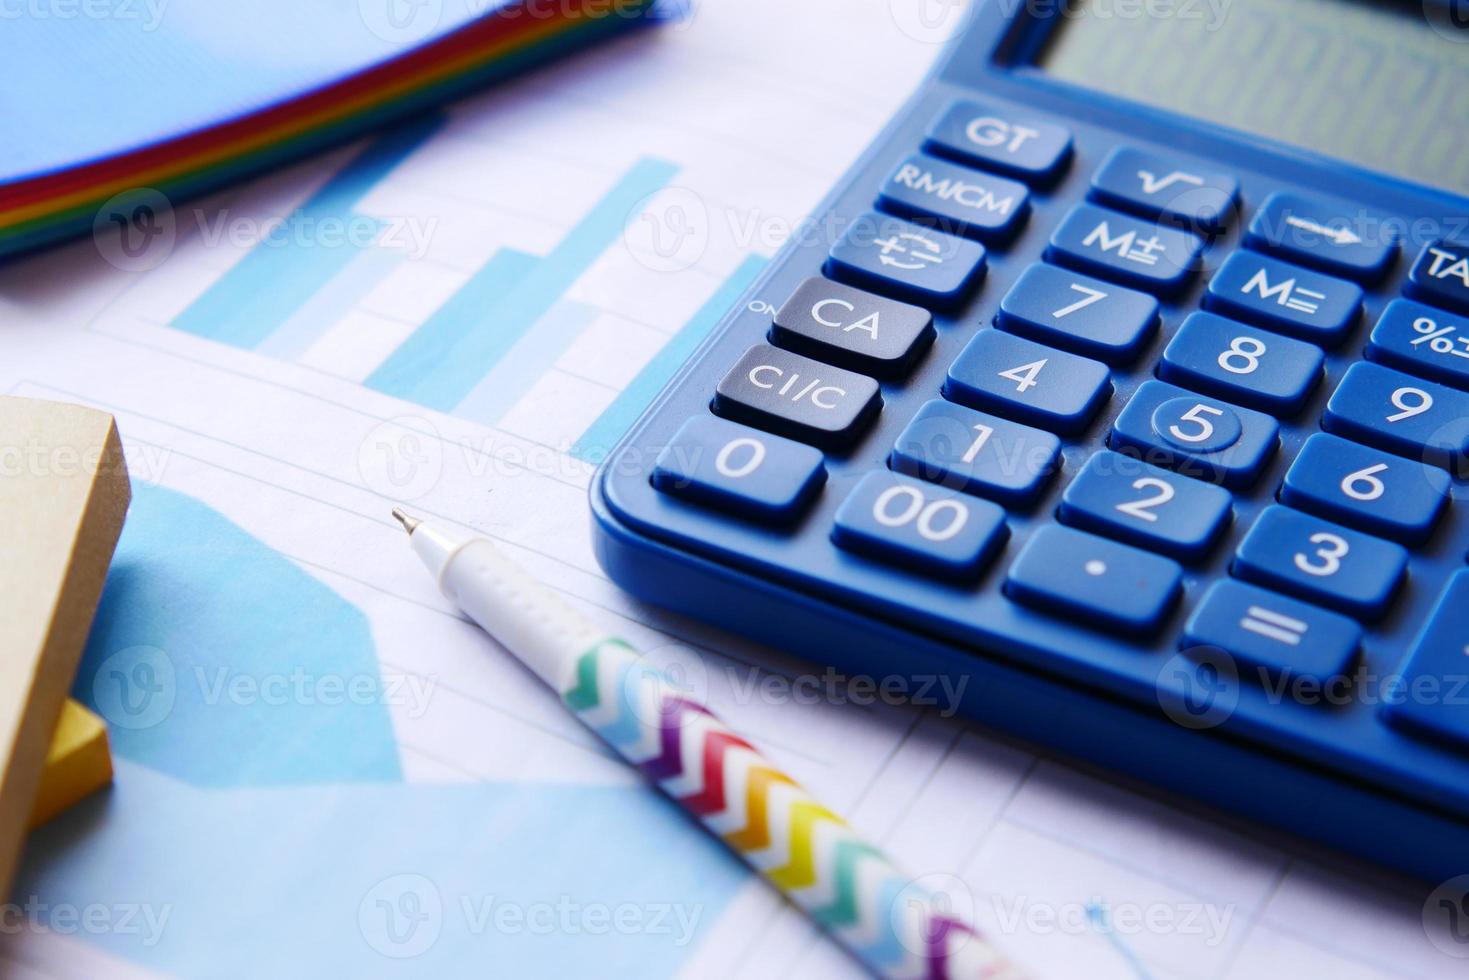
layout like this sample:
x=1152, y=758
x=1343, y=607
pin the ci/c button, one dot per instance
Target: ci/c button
x=798, y=397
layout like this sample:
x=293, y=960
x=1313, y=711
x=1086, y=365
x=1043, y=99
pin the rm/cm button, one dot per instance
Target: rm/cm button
x=798, y=397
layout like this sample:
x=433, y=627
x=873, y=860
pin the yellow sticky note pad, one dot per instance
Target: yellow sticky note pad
x=78, y=763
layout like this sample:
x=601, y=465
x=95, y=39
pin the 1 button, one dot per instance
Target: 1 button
x=1078, y=313
x=716, y=462
x=1119, y=246
x=977, y=453
x=1273, y=637
x=1195, y=435
x=1014, y=143
x=1244, y=364
x=920, y=526
x=1100, y=583
x=1127, y=499
x=1441, y=275
x=1285, y=297
x=1366, y=489
x=798, y=397
x=853, y=329
x=1433, y=698
x=1036, y=384
x=1422, y=340
x=887, y=253
x=957, y=199
x=1158, y=187
x=1336, y=237
x=1321, y=562
x=1403, y=415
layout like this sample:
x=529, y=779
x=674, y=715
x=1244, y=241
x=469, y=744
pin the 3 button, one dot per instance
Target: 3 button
x=1321, y=562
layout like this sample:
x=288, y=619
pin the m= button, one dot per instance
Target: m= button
x=795, y=396
x=852, y=328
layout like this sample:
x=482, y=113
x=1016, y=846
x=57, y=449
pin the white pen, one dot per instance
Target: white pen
x=890, y=924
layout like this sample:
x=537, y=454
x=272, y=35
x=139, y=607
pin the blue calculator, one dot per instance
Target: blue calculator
x=1125, y=377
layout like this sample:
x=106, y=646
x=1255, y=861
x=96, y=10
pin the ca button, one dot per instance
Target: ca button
x=853, y=328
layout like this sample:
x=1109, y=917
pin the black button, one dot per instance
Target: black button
x=795, y=396
x=1441, y=275
x=853, y=328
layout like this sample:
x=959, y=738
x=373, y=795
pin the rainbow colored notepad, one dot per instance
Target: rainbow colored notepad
x=181, y=96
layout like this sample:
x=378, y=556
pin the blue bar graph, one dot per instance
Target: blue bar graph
x=602, y=435
x=447, y=358
x=277, y=278
x=535, y=353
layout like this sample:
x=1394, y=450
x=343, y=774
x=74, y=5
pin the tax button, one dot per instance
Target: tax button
x=1441, y=275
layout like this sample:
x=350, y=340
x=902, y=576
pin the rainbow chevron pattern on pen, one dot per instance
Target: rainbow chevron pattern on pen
x=850, y=887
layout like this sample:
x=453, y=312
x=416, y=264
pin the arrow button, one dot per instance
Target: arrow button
x=1333, y=236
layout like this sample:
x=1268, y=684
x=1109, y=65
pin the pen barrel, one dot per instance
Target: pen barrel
x=889, y=922
x=541, y=630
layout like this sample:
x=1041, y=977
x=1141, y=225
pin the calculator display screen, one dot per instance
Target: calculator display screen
x=1382, y=85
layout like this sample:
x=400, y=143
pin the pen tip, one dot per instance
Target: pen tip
x=410, y=524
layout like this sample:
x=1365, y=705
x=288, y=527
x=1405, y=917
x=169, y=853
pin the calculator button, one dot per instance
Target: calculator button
x=1036, y=384
x=1159, y=187
x=852, y=328
x=1286, y=297
x=960, y=200
x=1099, y=582
x=1321, y=562
x=887, y=253
x=1078, y=313
x=1433, y=696
x=1014, y=143
x=1441, y=275
x=1244, y=364
x=1401, y=414
x=717, y=462
x=1119, y=246
x=916, y=524
x=1270, y=635
x=1366, y=489
x=1127, y=499
x=798, y=397
x=1332, y=236
x=1196, y=435
x=978, y=453
x=1423, y=341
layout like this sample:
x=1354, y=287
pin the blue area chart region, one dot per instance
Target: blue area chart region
x=220, y=662
x=384, y=880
